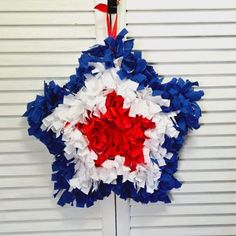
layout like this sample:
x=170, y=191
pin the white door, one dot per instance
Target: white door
x=40, y=40
x=195, y=40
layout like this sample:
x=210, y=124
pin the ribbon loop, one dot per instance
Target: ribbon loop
x=109, y=9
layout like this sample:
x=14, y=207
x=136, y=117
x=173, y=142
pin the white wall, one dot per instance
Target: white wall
x=41, y=40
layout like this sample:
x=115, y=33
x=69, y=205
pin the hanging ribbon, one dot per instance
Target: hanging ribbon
x=111, y=29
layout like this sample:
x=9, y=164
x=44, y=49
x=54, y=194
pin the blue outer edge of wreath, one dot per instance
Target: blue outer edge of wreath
x=181, y=94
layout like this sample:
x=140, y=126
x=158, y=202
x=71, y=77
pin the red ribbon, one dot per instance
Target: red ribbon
x=111, y=30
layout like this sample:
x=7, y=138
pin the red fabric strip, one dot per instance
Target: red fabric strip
x=101, y=7
x=115, y=26
x=116, y=133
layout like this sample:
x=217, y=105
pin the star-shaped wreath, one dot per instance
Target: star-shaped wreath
x=114, y=127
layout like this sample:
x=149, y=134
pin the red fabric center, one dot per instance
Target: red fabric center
x=115, y=133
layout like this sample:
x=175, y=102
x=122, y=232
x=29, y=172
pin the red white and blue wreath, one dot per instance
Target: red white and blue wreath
x=114, y=127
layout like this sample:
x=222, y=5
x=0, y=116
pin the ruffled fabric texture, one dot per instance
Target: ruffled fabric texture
x=114, y=127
